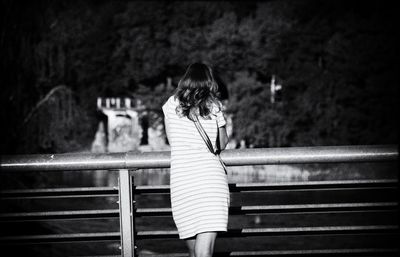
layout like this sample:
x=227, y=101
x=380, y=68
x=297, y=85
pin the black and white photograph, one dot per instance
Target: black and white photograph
x=199, y=128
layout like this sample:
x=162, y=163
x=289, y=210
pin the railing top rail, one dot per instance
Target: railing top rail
x=234, y=157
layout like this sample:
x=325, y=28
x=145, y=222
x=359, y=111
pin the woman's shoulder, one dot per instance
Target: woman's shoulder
x=171, y=100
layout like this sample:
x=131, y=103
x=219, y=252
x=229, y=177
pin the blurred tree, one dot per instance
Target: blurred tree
x=20, y=29
x=336, y=61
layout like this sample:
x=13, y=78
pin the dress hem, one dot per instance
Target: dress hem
x=202, y=231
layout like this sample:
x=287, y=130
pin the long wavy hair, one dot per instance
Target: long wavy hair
x=197, y=89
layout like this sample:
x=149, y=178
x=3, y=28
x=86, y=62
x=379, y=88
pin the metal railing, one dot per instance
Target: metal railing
x=128, y=162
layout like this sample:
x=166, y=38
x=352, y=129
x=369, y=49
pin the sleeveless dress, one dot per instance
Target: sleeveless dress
x=198, y=183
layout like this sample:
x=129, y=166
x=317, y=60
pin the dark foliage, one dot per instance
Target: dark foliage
x=336, y=61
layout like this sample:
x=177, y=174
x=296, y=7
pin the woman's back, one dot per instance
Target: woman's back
x=183, y=134
x=199, y=185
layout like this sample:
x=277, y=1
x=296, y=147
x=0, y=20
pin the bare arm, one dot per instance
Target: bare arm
x=223, y=137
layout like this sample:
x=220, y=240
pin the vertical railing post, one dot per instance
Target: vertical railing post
x=126, y=214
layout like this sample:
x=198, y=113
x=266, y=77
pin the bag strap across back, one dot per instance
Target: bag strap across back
x=207, y=140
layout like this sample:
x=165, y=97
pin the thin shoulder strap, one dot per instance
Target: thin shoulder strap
x=207, y=140
x=203, y=133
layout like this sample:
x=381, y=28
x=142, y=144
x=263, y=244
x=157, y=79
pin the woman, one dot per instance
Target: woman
x=199, y=185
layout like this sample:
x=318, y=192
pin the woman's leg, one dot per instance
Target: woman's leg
x=190, y=244
x=204, y=246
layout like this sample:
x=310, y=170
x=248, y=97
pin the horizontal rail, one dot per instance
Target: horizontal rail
x=298, y=185
x=316, y=252
x=282, y=231
x=59, y=215
x=59, y=192
x=234, y=157
x=164, y=189
x=239, y=210
x=61, y=238
x=290, y=208
x=97, y=256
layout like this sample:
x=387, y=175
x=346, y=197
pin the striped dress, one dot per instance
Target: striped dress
x=199, y=185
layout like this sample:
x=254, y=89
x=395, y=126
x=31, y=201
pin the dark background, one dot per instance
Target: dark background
x=337, y=62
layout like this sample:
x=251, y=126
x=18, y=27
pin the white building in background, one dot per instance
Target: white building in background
x=124, y=127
